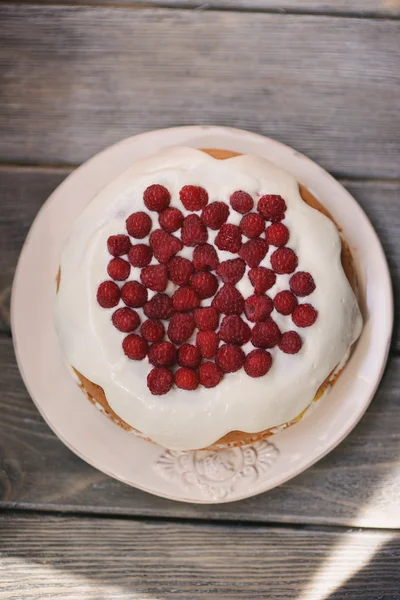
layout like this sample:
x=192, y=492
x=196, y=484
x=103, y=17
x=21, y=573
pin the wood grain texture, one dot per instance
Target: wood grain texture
x=75, y=79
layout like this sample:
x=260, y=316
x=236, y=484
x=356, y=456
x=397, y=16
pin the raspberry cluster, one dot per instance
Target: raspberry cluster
x=193, y=335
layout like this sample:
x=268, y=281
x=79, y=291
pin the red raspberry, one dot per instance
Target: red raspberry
x=134, y=294
x=186, y=379
x=118, y=269
x=156, y=197
x=277, y=234
x=185, y=298
x=118, y=244
x=193, y=231
x=302, y=283
x=210, y=375
x=262, y=279
x=228, y=300
x=170, y=219
x=272, y=207
x=140, y=255
x=265, y=334
x=138, y=225
x=205, y=257
x=252, y=225
x=254, y=251
x=193, y=197
x=242, y=202
x=108, y=294
x=205, y=284
x=126, y=320
x=159, y=307
x=155, y=277
x=164, y=245
x=206, y=318
x=159, y=381
x=234, y=330
x=215, y=214
x=162, y=354
x=230, y=358
x=231, y=271
x=207, y=342
x=135, y=347
x=285, y=302
x=283, y=261
x=152, y=330
x=257, y=363
x=189, y=356
x=304, y=315
x=180, y=270
x=229, y=238
x=258, y=307
x=290, y=342
x=180, y=328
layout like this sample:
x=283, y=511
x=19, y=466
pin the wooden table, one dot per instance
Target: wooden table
x=323, y=77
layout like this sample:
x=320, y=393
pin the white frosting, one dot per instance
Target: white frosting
x=188, y=420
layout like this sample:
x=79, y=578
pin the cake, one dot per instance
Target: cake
x=205, y=298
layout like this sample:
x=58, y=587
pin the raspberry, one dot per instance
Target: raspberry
x=258, y=308
x=277, y=234
x=205, y=257
x=180, y=270
x=234, y=330
x=283, y=261
x=193, y=231
x=118, y=244
x=285, y=302
x=186, y=379
x=262, y=279
x=272, y=207
x=207, y=342
x=231, y=271
x=302, y=283
x=140, y=255
x=162, y=354
x=265, y=334
x=290, y=342
x=156, y=197
x=254, y=251
x=205, y=284
x=229, y=238
x=230, y=358
x=193, y=197
x=189, y=356
x=126, y=320
x=209, y=374
x=159, y=381
x=242, y=202
x=134, y=294
x=159, y=307
x=138, y=225
x=170, y=219
x=304, y=315
x=185, y=298
x=152, y=330
x=180, y=328
x=206, y=318
x=108, y=294
x=118, y=269
x=164, y=245
x=252, y=225
x=257, y=363
x=228, y=300
x=215, y=214
x=155, y=277
x=135, y=347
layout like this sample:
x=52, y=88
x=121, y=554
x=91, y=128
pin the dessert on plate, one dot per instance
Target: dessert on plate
x=205, y=298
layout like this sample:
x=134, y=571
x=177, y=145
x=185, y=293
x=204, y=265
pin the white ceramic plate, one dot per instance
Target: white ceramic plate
x=201, y=476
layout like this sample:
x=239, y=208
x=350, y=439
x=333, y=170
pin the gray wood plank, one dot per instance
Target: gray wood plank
x=76, y=79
